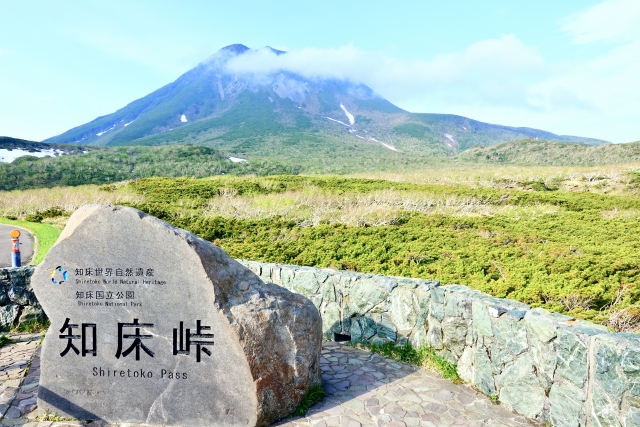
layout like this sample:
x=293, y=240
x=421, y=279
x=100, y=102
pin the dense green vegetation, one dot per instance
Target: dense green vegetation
x=292, y=153
x=552, y=153
x=101, y=166
x=579, y=257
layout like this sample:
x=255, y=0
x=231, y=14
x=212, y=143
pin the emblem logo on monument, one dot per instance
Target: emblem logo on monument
x=59, y=275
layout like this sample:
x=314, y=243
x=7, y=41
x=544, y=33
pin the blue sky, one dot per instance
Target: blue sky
x=569, y=67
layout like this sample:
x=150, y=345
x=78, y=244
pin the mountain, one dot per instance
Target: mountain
x=284, y=114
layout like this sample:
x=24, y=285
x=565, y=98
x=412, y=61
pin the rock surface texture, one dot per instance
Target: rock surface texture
x=18, y=304
x=151, y=324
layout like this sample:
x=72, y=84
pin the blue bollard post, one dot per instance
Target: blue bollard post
x=15, y=248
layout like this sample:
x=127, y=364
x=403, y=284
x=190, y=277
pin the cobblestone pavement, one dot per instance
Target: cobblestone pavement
x=17, y=390
x=363, y=389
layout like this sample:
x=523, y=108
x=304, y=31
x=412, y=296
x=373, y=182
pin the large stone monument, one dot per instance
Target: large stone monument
x=151, y=324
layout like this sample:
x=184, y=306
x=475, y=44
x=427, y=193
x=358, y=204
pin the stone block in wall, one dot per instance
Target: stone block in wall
x=16, y=282
x=346, y=319
x=265, y=272
x=572, y=357
x=286, y=277
x=17, y=297
x=276, y=275
x=510, y=334
x=466, y=365
x=454, y=335
x=481, y=319
x=540, y=327
x=366, y=294
x=30, y=313
x=8, y=315
x=630, y=364
x=632, y=418
x=419, y=337
x=500, y=357
x=386, y=330
x=608, y=371
x=434, y=334
x=437, y=295
x=483, y=377
x=436, y=312
x=544, y=359
x=603, y=408
x=305, y=283
x=345, y=283
x=423, y=310
x=316, y=300
x=567, y=404
x=331, y=322
x=458, y=305
x=520, y=388
x=404, y=308
x=328, y=291
x=362, y=329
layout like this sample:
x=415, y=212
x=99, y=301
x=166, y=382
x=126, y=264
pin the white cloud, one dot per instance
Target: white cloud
x=612, y=20
x=500, y=81
x=494, y=70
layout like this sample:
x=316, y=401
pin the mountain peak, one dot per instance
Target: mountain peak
x=276, y=51
x=238, y=49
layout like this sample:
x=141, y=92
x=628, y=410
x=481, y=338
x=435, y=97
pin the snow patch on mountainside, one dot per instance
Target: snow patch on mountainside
x=237, y=159
x=390, y=147
x=105, y=131
x=450, y=138
x=183, y=119
x=8, y=156
x=352, y=120
x=127, y=124
x=338, y=121
x=220, y=90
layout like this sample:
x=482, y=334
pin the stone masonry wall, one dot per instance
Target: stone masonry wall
x=18, y=304
x=546, y=366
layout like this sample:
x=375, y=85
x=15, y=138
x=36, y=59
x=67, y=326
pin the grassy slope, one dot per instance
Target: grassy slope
x=292, y=152
x=298, y=152
x=102, y=166
x=575, y=256
x=551, y=153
